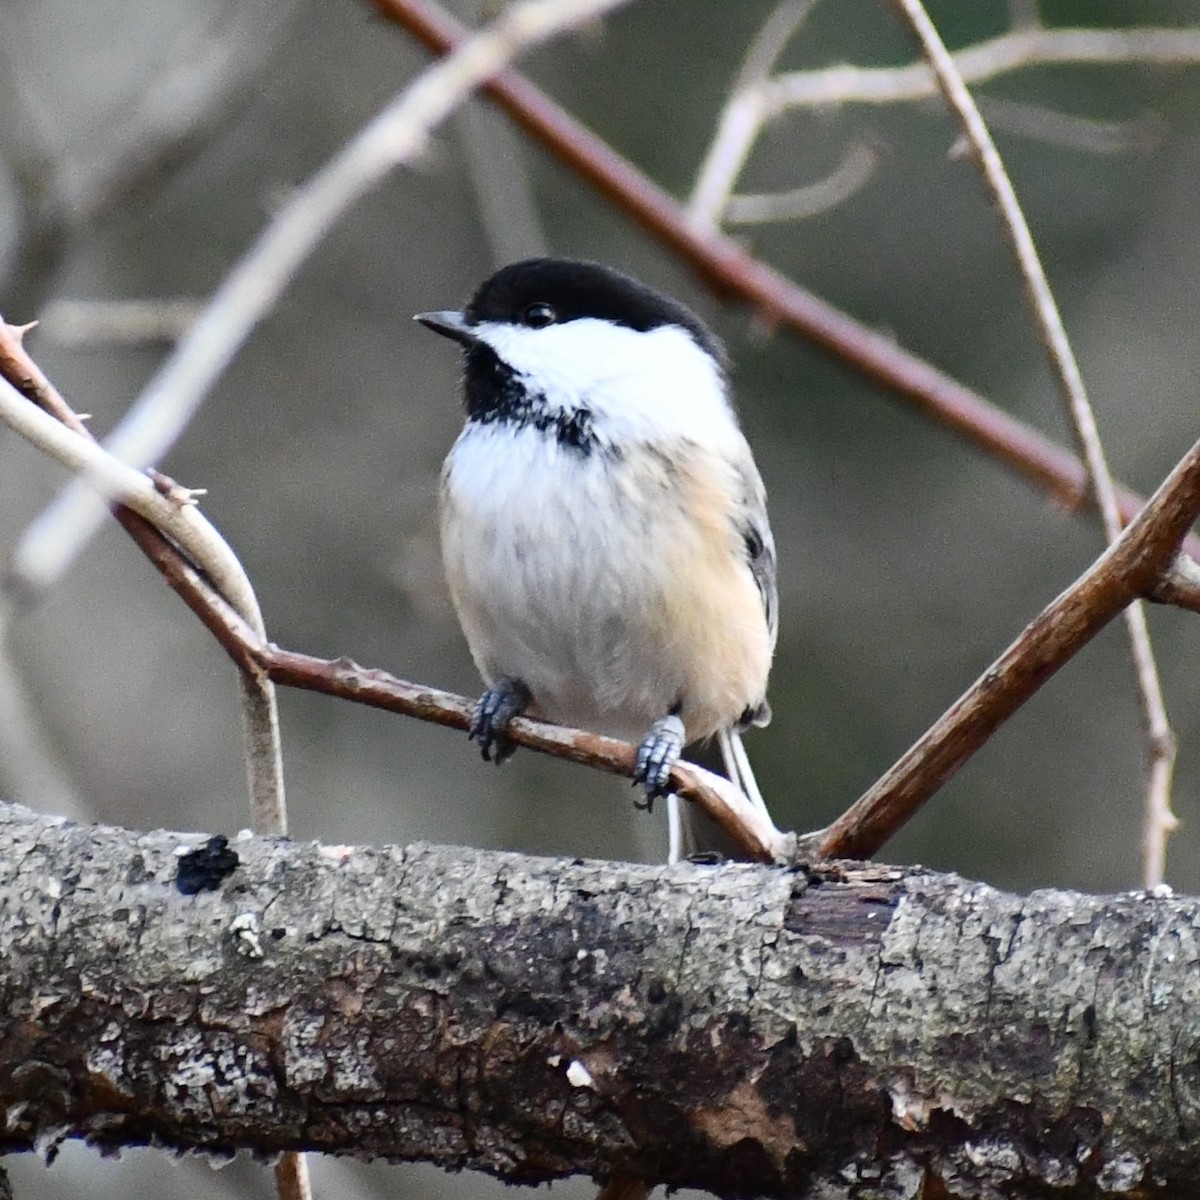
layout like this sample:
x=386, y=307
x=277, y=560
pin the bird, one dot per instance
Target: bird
x=603, y=523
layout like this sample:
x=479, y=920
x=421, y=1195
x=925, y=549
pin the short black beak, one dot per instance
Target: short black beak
x=451, y=324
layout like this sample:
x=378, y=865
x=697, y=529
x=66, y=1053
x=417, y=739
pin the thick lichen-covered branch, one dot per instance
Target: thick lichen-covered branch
x=745, y=1029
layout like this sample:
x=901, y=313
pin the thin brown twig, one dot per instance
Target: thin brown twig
x=345, y=679
x=732, y=272
x=1159, y=819
x=258, y=659
x=292, y=1180
x=1132, y=566
x=1180, y=585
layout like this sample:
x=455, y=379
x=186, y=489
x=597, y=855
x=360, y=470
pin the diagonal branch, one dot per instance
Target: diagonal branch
x=1159, y=819
x=1133, y=566
x=730, y=271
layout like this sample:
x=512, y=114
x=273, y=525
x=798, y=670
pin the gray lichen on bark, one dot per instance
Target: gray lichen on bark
x=848, y=1030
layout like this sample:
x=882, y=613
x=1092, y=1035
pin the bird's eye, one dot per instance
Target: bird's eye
x=539, y=315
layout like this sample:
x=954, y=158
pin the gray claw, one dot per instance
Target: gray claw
x=505, y=699
x=659, y=751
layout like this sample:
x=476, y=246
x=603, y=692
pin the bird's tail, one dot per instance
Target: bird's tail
x=689, y=831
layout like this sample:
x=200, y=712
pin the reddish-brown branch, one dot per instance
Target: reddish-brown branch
x=732, y=272
x=344, y=678
x=1180, y=586
x=1130, y=568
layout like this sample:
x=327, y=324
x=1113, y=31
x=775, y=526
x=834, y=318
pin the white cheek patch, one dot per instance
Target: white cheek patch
x=642, y=384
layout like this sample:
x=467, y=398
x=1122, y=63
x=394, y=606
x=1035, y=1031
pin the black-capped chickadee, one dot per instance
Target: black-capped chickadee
x=604, y=526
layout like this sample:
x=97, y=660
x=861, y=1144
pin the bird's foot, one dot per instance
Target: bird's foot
x=659, y=751
x=505, y=699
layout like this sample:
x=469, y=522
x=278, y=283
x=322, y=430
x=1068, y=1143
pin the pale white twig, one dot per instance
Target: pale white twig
x=187, y=527
x=846, y=178
x=1186, y=571
x=1159, y=820
x=737, y=763
x=743, y=116
x=674, y=829
x=1180, y=584
x=1012, y=51
x=83, y=323
x=255, y=283
x=262, y=743
x=752, y=817
x=1072, y=132
x=737, y=130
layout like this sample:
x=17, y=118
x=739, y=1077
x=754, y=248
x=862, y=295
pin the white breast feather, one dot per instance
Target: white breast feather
x=555, y=557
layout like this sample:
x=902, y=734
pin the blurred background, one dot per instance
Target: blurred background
x=144, y=145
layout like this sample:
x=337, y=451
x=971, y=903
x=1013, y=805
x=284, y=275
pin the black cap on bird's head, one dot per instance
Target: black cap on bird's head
x=540, y=292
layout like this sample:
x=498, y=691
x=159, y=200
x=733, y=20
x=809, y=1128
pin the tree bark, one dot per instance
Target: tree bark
x=848, y=1030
